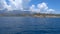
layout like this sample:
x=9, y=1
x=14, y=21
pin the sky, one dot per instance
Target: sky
x=39, y=6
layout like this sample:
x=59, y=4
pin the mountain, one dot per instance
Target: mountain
x=14, y=12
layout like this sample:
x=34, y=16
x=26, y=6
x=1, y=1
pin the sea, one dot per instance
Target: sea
x=29, y=25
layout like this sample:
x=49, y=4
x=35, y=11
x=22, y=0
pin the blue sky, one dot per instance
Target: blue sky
x=51, y=5
x=54, y=4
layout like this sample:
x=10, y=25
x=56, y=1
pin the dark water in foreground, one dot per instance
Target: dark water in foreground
x=29, y=25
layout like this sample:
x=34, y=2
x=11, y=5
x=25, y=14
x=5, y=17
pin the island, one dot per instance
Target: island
x=27, y=13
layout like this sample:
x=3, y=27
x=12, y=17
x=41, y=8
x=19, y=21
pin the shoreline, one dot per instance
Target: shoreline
x=35, y=16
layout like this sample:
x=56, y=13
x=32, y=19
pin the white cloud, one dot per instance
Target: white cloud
x=41, y=8
x=50, y=11
x=21, y=4
x=34, y=9
x=4, y=5
x=14, y=5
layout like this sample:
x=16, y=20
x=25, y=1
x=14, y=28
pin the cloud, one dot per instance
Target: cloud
x=13, y=4
x=41, y=8
x=34, y=9
x=23, y=4
x=4, y=5
x=50, y=11
x=26, y=4
x=18, y=4
x=26, y=1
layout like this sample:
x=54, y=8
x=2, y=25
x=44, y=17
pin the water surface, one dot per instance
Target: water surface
x=29, y=25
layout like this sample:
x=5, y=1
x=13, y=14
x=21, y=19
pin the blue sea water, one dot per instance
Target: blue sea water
x=29, y=25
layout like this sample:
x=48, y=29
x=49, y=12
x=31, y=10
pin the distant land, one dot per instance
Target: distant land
x=26, y=13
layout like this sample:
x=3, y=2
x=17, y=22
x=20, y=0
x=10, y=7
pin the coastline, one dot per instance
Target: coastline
x=35, y=16
x=47, y=16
